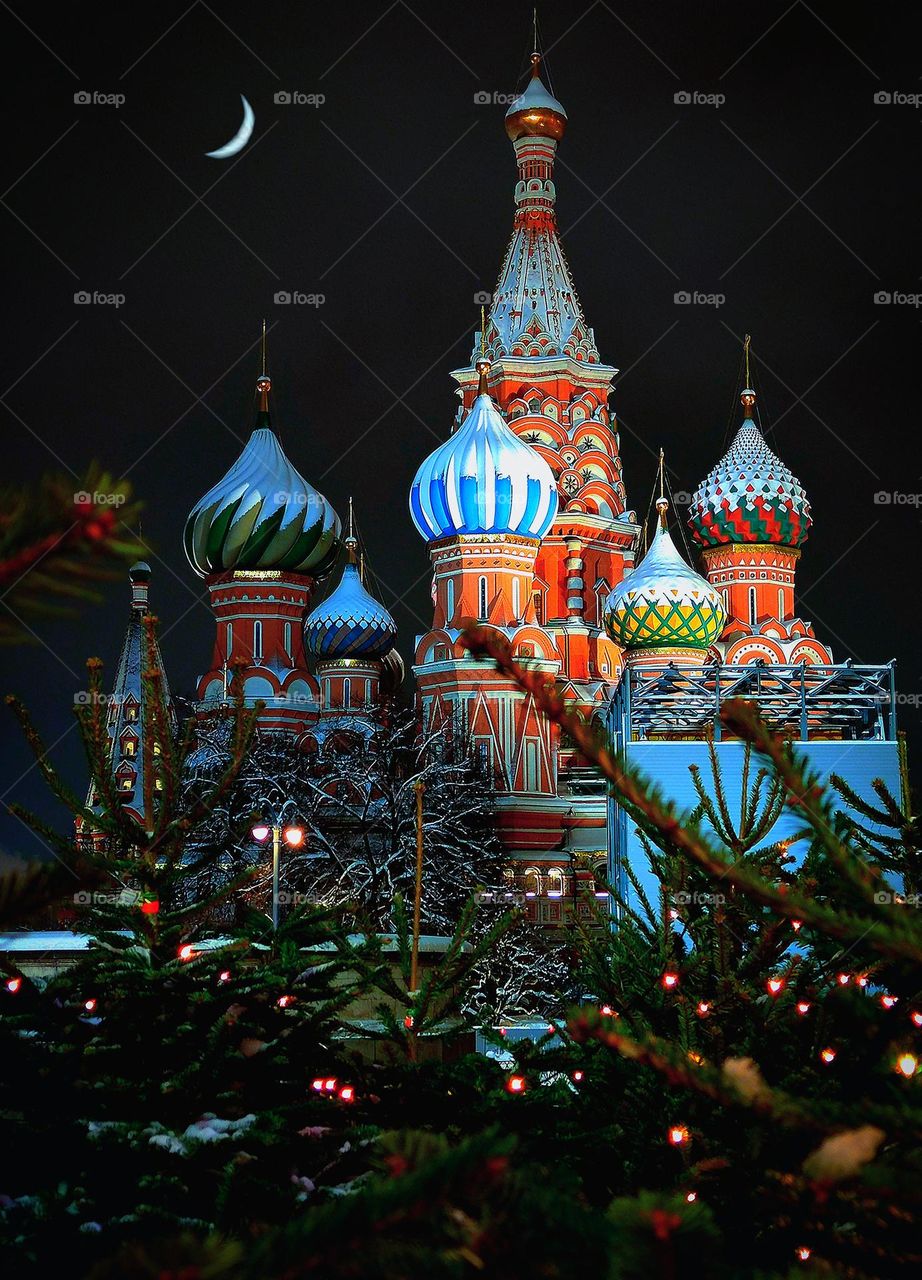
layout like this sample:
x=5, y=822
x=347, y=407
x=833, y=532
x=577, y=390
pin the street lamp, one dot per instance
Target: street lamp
x=293, y=836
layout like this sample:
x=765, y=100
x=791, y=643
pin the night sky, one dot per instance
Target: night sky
x=797, y=199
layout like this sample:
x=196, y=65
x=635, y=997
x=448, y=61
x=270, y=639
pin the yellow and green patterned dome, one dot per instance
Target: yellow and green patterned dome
x=664, y=604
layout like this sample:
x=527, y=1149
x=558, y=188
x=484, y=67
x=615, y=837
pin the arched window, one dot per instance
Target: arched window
x=725, y=592
x=780, y=604
x=538, y=602
x=532, y=882
x=555, y=883
x=347, y=692
x=257, y=640
x=367, y=693
x=482, y=598
x=753, y=607
x=449, y=601
x=229, y=648
x=516, y=599
x=288, y=639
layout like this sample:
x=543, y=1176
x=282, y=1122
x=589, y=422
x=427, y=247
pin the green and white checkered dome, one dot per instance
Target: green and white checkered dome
x=664, y=603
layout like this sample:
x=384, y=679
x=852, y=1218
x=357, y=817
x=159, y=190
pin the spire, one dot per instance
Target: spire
x=351, y=542
x=535, y=309
x=263, y=383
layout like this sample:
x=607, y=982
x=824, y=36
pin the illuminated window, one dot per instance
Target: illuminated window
x=347, y=692
x=130, y=746
x=533, y=882
x=157, y=751
x=555, y=883
x=753, y=607
x=158, y=784
x=131, y=711
x=449, y=601
x=288, y=639
x=257, y=640
x=482, y=597
x=126, y=784
x=230, y=639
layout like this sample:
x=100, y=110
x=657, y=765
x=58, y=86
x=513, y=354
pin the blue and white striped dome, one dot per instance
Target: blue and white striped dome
x=484, y=479
x=350, y=623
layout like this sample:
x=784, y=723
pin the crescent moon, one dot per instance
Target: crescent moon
x=240, y=138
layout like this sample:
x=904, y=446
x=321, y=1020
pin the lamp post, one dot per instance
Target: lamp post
x=293, y=835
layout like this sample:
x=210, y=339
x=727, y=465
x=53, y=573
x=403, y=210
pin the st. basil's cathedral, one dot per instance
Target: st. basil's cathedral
x=525, y=515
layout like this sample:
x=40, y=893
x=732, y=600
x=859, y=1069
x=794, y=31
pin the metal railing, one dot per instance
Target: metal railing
x=802, y=702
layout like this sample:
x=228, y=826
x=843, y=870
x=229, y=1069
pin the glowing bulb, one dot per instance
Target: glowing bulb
x=703, y=1009
x=13, y=985
x=828, y=1055
x=285, y=1001
x=317, y=1085
x=843, y=979
x=888, y=1001
x=862, y=979
x=692, y=1197
x=803, y=1007
x=224, y=975
x=294, y=836
x=803, y=1253
x=408, y=1021
x=347, y=1093
x=89, y=1005
x=187, y=951
x=670, y=980
x=577, y=1076
x=515, y=1084
x=329, y=1085
x=260, y=833
x=796, y=924
x=151, y=907
x=606, y=1011
x=775, y=986
x=917, y=1018
x=678, y=1135
x=907, y=1064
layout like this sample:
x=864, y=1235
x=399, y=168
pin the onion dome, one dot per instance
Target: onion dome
x=663, y=603
x=750, y=496
x=349, y=623
x=484, y=479
x=263, y=514
x=536, y=113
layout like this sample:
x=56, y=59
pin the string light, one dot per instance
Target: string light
x=862, y=979
x=285, y=1001
x=678, y=1135
x=329, y=1085
x=843, y=979
x=775, y=986
x=803, y=1006
x=317, y=1085
x=796, y=925
x=187, y=951
x=151, y=907
x=907, y=1064
x=607, y=1011
x=670, y=980
x=803, y=1252
x=515, y=1084
x=916, y=1017
x=888, y=1001
x=347, y=1093
x=224, y=975
x=703, y=1009
x=90, y=1005
x=13, y=985
x=828, y=1055
x=577, y=1076
x=692, y=1197
x=408, y=1023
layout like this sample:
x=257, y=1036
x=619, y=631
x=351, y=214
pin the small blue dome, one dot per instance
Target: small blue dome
x=350, y=623
x=484, y=479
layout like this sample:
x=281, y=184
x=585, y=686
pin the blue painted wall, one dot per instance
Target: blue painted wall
x=667, y=765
